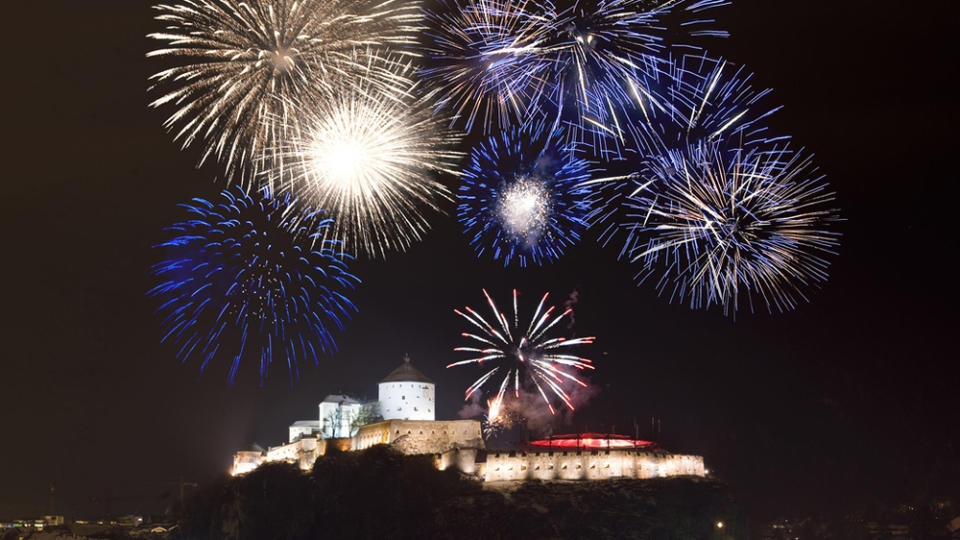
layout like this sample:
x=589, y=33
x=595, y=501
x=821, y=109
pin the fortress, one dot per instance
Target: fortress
x=407, y=403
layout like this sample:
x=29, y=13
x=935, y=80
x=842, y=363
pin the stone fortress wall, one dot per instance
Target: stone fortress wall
x=452, y=442
x=459, y=443
x=587, y=464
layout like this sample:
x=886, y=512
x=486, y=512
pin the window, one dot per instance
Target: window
x=403, y=397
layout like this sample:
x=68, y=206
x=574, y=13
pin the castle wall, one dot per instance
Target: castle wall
x=303, y=429
x=421, y=437
x=303, y=452
x=588, y=465
x=407, y=400
x=245, y=461
x=456, y=443
x=463, y=459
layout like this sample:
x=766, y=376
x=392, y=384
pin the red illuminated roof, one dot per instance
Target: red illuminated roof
x=591, y=440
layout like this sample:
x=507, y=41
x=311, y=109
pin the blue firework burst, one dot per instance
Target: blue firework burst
x=721, y=229
x=506, y=63
x=600, y=50
x=695, y=99
x=524, y=196
x=252, y=275
x=485, y=59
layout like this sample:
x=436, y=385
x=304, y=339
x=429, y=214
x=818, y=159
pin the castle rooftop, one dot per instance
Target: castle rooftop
x=405, y=372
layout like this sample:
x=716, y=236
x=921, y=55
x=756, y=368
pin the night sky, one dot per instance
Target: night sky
x=850, y=397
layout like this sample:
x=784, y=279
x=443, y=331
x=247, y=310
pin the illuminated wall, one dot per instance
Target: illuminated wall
x=303, y=428
x=588, y=465
x=421, y=436
x=245, y=461
x=447, y=441
x=405, y=400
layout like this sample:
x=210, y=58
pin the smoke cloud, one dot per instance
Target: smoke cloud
x=571, y=301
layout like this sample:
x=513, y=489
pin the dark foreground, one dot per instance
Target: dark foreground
x=379, y=493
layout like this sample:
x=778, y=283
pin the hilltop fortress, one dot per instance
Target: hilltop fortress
x=407, y=404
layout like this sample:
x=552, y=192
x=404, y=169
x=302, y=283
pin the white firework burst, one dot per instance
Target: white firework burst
x=237, y=65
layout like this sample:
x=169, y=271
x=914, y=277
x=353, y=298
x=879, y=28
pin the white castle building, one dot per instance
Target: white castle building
x=407, y=405
x=407, y=394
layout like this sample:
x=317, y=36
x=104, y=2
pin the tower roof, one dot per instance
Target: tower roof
x=405, y=372
x=341, y=399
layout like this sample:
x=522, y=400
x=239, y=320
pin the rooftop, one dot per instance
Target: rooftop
x=405, y=372
x=341, y=399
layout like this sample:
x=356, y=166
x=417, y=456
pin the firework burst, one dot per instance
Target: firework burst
x=368, y=158
x=696, y=99
x=240, y=63
x=523, y=196
x=483, y=59
x=599, y=50
x=522, y=356
x=511, y=62
x=250, y=275
x=718, y=230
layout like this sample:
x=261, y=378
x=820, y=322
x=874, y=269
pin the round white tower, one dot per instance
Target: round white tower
x=407, y=394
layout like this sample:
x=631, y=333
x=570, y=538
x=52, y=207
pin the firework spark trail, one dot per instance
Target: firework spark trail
x=238, y=64
x=250, y=275
x=717, y=228
x=697, y=99
x=689, y=102
x=598, y=51
x=368, y=158
x=528, y=358
x=501, y=62
x=523, y=196
x=482, y=58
